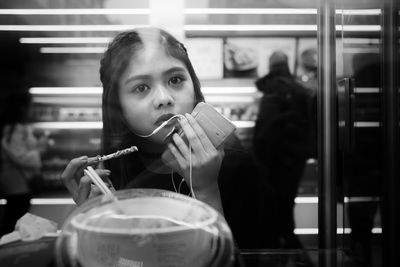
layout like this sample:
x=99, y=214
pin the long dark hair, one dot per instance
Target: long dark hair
x=116, y=134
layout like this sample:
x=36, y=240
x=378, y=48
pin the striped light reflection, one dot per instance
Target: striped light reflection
x=72, y=50
x=187, y=11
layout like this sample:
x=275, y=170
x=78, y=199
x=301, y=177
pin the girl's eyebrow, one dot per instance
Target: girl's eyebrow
x=147, y=76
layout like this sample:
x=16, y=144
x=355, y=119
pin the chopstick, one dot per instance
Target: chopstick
x=89, y=171
x=117, y=154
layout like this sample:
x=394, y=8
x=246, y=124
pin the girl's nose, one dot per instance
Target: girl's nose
x=162, y=97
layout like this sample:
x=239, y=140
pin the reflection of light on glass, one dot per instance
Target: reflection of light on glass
x=188, y=11
x=65, y=90
x=244, y=124
x=207, y=90
x=229, y=99
x=228, y=90
x=314, y=231
x=233, y=27
x=62, y=100
x=65, y=40
x=366, y=90
x=361, y=12
x=367, y=124
x=76, y=11
x=358, y=28
x=361, y=41
x=222, y=11
x=314, y=200
x=52, y=201
x=69, y=125
x=194, y=27
x=72, y=50
x=99, y=125
x=74, y=28
x=362, y=50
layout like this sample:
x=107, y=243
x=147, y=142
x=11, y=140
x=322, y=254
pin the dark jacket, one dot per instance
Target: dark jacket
x=284, y=135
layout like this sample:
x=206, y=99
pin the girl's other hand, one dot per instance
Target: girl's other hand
x=79, y=185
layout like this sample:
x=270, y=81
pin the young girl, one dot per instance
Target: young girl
x=148, y=78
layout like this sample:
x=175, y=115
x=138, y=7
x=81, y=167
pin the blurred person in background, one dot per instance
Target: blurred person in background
x=362, y=168
x=20, y=160
x=308, y=64
x=282, y=140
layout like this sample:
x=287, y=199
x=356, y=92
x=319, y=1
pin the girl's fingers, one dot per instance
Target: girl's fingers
x=181, y=146
x=68, y=177
x=84, y=189
x=201, y=134
x=178, y=156
x=94, y=191
x=191, y=135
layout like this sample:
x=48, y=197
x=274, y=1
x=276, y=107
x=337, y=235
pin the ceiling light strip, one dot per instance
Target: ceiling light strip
x=99, y=90
x=66, y=90
x=72, y=50
x=241, y=27
x=187, y=11
x=77, y=125
x=76, y=11
x=65, y=40
x=197, y=27
x=74, y=28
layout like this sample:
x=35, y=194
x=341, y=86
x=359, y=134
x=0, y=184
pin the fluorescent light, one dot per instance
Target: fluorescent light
x=52, y=201
x=256, y=27
x=74, y=28
x=250, y=11
x=306, y=200
x=314, y=200
x=189, y=11
x=193, y=27
x=376, y=230
x=76, y=11
x=99, y=125
x=69, y=125
x=99, y=90
x=72, y=50
x=65, y=40
x=229, y=90
x=361, y=41
x=361, y=199
x=358, y=28
x=361, y=50
x=244, y=124
x=362, y=12
x=62, y=100
x=314, y=231
x=65, y=90
x=366, y=90
x=229, y=99
x=367, y=124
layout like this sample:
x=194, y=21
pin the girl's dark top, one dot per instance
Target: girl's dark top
x=243, y=195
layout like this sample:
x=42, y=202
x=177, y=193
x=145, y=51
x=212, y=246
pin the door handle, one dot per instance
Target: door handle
x=346, y=114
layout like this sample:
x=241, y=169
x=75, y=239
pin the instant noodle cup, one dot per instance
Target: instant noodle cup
x=145, y=227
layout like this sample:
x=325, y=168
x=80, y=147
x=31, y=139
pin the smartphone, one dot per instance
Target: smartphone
x=216, y=126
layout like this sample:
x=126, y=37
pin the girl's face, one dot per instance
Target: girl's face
x=154, y=87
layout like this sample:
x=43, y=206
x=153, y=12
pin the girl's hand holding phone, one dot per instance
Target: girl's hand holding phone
x=204, y=158
x=79, y=185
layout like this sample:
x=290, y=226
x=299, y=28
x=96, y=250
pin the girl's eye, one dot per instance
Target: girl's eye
x=141, y=88
x=176, y=80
